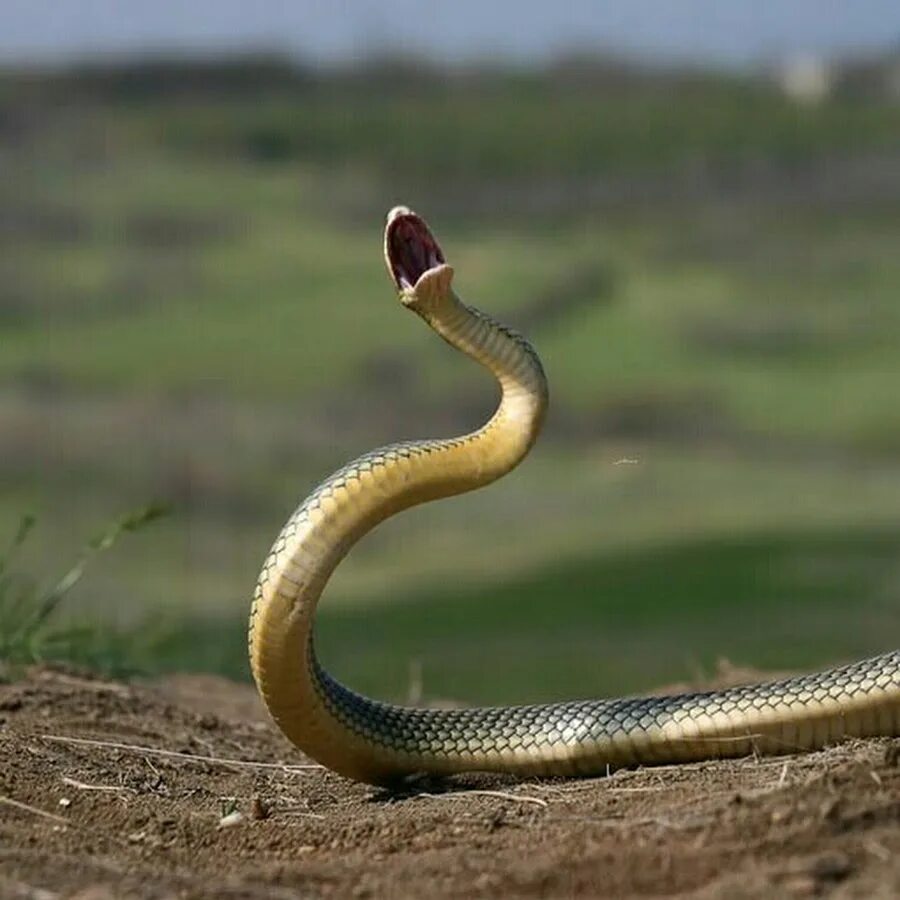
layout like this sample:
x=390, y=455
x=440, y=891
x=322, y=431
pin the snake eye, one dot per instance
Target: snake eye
x=410, y=248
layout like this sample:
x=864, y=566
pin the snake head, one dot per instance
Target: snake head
x=414, y=258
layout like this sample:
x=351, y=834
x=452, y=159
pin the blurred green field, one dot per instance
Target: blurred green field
x=195, y=311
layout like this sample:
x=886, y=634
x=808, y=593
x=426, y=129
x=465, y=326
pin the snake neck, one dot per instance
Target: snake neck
x=359, y=496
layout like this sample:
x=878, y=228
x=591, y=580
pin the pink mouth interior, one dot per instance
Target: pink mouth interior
x=412, y=250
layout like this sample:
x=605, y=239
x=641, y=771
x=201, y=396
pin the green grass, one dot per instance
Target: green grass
x=823, y=345
x=218, y=332
x=519, y=128
x=30, y=630
x=626, y=623
x=605, y=624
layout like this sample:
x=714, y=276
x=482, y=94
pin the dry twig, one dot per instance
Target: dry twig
x=84, y=786
x=174, y=754
x=32, y=809
x=500, y=795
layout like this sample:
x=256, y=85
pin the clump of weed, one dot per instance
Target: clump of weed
x=29, y=612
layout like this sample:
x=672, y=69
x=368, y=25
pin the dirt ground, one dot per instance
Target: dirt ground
x=182, y=789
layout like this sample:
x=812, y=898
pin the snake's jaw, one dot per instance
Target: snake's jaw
x=415, y=260
x=432, y=288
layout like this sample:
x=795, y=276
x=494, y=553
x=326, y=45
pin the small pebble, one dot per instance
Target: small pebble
x=233, y=818
x=258, y=809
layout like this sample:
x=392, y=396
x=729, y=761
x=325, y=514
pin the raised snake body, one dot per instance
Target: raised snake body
x=379, y=742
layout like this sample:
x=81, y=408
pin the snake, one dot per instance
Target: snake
x=382, y=743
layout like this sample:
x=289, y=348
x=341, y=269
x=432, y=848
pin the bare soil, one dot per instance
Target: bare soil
x=183, y=789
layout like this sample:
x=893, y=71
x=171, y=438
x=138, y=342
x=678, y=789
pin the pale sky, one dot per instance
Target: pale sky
x=720, y=31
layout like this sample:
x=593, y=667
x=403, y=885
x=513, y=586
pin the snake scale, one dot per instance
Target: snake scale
x=379, y=742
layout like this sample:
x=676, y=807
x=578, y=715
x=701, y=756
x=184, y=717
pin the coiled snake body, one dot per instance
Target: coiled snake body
x=379, y=742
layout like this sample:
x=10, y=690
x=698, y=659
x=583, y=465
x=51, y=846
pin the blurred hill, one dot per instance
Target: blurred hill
x=193, y=310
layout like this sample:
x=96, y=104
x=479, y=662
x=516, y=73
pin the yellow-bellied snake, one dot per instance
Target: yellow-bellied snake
x=379, y=742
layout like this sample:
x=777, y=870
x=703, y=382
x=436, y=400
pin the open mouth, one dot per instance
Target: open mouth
x=410, y=247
